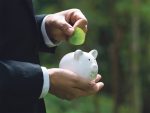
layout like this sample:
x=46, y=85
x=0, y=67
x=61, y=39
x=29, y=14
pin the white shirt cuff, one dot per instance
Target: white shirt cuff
x=46, y=83
x=47, y=41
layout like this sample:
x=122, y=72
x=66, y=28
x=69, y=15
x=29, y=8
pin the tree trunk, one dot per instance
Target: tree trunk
x=115, y=58
x=116, y=67
x=115, y=61
x=135, y=79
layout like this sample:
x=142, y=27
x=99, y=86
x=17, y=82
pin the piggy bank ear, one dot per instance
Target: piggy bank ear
x=77, y=54
x=94, y=53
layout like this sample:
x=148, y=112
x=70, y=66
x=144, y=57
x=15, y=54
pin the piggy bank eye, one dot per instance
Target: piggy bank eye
x=89, y=59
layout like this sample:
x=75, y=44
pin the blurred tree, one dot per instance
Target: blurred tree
x=135, y=55
x=145, y=52
x=115, y=48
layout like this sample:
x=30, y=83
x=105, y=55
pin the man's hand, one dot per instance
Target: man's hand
x=68, y=85
x=60, y=26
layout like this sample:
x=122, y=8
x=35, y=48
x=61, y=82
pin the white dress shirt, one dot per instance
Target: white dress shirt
x=46, y=78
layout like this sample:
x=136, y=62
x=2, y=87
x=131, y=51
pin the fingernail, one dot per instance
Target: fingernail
x=102, y=84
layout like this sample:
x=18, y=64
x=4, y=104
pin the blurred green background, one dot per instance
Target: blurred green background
x=120, y=31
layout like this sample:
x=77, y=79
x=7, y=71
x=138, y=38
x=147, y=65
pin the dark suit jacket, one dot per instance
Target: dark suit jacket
x=21, y=77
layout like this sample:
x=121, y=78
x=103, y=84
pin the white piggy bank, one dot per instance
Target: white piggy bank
x=82, y=63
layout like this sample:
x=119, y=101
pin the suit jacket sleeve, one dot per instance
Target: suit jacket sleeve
x=43, y=46
x=20, y=79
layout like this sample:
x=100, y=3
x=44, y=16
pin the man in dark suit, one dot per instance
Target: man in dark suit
x=23, y=82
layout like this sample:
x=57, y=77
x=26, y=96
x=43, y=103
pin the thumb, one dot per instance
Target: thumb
x=82, y=24
x=65, y=27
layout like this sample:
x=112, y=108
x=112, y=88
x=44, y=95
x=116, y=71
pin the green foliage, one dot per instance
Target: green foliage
x=123, y=6
x=82, y=105
x=144, y=11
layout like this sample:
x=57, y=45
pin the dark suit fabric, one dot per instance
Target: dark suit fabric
x=21, y=78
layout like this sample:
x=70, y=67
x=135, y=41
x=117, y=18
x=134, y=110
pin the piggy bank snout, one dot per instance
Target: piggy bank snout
x=94, y=67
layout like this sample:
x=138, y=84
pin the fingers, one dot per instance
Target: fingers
x=61, y=25
x=82, y=23
x=82, y=83
x=76, y=18
x=85, y=84
x=97, y=87
x=68, y=85
x=65, y=27
x=79, y=20
x=75, y=15
x=97, y=79
x=90, y=87
x=76, y=93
